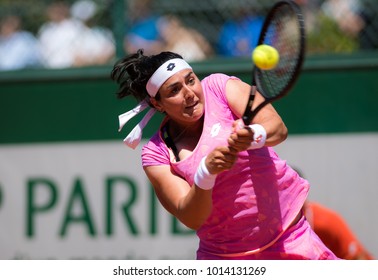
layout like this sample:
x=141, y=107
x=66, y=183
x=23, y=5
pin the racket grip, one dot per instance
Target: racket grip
x=247, y=119
x=248, y=113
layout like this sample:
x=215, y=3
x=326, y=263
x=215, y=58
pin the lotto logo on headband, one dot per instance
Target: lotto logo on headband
x=163, y=73
x=171, y=66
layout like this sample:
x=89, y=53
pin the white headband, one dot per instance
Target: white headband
x=133, y=138
x=163, y=73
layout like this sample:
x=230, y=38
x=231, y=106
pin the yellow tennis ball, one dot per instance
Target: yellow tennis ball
x=265, y=57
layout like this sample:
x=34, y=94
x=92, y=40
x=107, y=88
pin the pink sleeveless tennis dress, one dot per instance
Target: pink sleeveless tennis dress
x=254, y=203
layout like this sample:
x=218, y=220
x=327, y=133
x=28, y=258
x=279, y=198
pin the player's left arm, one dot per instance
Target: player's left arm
x=237, y=93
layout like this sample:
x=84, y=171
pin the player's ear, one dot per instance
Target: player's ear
x=156, y=104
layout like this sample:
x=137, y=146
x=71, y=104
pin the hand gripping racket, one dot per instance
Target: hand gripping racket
x=284, y=30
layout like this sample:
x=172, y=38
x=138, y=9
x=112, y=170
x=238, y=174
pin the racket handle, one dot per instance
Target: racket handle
x=247, y=119
x=248, y=113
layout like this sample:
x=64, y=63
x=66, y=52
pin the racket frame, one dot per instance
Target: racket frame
x=249, y=114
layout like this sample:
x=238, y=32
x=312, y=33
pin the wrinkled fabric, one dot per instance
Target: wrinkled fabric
x=254, y=202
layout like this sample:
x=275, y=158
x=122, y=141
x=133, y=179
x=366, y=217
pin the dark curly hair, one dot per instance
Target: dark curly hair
x=133, y=72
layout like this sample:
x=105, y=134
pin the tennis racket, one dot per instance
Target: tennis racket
x=284, y=30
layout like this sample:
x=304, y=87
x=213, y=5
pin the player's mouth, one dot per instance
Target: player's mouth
x=192, y=106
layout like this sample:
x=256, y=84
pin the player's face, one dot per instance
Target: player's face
x=181, y=97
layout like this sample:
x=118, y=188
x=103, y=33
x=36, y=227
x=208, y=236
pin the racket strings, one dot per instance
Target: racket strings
x=284, y=35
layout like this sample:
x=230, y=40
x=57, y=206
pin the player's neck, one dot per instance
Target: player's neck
x=179, y=132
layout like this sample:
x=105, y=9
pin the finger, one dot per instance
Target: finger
x=239, y=143
x=237, y=125
x=224, y=155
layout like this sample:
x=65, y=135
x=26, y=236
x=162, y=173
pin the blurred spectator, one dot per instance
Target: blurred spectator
x=18, y=48
x=345, y=14
x=238, y=37
x=143, y=32
x=334, y=232
x=183, y=40
x=59, y=36
x=96, y=44
x=155, y=33
x=67, y=40
x=326, y=36
x=356, y=18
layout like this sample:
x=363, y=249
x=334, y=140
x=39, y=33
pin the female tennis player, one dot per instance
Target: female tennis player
x=216, y=176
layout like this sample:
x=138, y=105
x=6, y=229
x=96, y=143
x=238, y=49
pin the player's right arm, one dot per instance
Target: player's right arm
x=190, y=204
x=237, y=93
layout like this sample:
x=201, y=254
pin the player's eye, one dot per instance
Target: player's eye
x=175, y=90
x=192, y=81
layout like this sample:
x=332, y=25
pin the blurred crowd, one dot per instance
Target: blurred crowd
x=66, y=39
x=71, y=38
